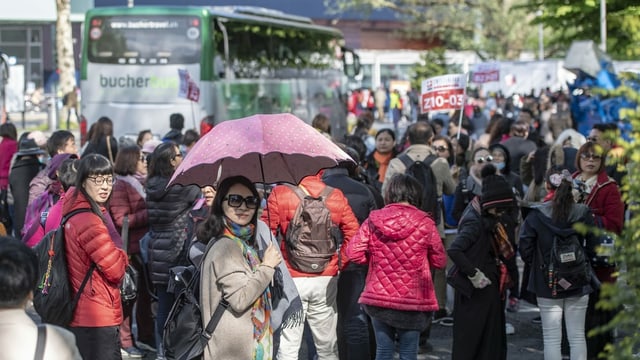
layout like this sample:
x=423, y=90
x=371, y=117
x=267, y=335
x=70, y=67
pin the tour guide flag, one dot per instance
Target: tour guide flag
x=188, y=88
x=444, y=92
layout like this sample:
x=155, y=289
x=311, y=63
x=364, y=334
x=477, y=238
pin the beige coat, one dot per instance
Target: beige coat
x=19, y=335
x=439, y=166
x=225, y=271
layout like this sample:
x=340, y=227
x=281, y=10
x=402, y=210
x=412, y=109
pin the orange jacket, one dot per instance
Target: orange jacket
x=282, y=204
x=88, y=241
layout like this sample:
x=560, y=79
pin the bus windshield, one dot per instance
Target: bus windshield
x=144, y=40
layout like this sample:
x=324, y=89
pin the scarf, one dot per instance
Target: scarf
x=135, y=183
x=382, y=160
x=287, y=306
x=261, y=308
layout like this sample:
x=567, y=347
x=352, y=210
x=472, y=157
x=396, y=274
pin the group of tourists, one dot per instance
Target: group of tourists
x=351, y=263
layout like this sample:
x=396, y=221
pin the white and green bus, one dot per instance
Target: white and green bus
x=245, y=60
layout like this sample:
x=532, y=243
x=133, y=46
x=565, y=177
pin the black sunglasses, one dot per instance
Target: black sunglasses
x=440, y=148
x=488, y=158
x=236, y=201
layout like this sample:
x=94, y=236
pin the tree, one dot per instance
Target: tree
x=432, y=63
x=484, y=26
x=64, y=47
x=580, y=20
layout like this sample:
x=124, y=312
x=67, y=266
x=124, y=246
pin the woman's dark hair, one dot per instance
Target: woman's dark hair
x=540, y=160
x=91, y=165
x=501, y=126
x=391, y=133
x=213, y=226
x=403, y=188
x=141, y=135
x=507, y=158
x=104, y=127
x=160, y=163
x=127, y=160
x=322, y=123
x=357, y=144
x=593, y=148
x=9, y=130
x=18, y=272
x=68, y=173
x=562, y=201
x=446, y=139
x=57, y=141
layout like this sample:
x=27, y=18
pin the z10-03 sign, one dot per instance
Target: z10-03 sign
x=444, y=92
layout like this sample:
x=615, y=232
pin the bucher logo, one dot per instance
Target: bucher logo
x=154, y=82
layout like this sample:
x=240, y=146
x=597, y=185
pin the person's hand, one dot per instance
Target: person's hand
x=479, y=280
x=531, y=156
x=272, y=256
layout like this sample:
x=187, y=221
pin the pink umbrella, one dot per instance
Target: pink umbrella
x=264, y=148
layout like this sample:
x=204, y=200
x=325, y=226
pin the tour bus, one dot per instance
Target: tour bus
x=244, y=60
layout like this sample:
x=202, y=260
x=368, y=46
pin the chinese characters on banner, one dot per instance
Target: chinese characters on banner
x=444, y=92
x=188, y=88
x=485, y=72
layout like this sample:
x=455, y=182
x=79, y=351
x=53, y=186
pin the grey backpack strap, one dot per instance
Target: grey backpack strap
x=42, y=340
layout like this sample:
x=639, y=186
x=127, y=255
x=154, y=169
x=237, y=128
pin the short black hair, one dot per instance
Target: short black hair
x=57, y=141
x=18, y=272
x=190, y=137
x=604, y=127
x=403, y=187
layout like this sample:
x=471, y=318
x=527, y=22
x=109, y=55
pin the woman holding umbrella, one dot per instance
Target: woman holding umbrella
x=239, y=265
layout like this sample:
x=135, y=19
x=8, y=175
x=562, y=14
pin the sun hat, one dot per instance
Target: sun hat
x=150, y=145
x=29, y=147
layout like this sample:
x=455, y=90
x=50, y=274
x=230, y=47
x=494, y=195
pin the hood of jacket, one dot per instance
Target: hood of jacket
x=396, y=223
x=157, y=187
x=578, y=212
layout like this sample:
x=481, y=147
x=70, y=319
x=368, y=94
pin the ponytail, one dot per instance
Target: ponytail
x=563, y=198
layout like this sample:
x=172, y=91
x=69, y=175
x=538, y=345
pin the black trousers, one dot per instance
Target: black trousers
x=98, y=343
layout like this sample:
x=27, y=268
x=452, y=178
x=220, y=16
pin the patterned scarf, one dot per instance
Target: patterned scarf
x=261, y=309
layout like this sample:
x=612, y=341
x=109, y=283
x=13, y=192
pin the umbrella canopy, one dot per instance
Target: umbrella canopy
x=264, y=148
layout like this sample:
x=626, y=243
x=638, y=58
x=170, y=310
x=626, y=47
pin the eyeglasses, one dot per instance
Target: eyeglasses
x=592, y=139
x=595, y=157
x=487, y=158
x=142, y=158
x=441, y=148
x=99, y=180
x=177, y=155
x=236, y=201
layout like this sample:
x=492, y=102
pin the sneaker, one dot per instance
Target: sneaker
x=509, y=329
x=132, y=352
x=446, y=321
x=439, y=315
x=144, y=346
x=536, y=320
x=513, y=305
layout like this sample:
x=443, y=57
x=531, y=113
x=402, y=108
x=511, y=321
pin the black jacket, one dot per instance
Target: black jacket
x=536, y=240
x=24, y=169
x=100, y=147
x=358, y=194
x=164, y=206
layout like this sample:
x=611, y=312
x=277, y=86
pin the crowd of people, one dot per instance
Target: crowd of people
x=507, y=178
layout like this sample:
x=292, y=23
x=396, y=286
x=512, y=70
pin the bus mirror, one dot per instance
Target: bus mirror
x=351, y=63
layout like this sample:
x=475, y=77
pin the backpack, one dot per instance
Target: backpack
x=52, y=297
x=568, y=268
x=183, y=336
x=421, y=171
x=36, y=215
x=311, y=239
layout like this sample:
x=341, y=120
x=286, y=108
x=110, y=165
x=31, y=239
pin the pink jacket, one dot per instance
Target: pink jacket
x=400, y=243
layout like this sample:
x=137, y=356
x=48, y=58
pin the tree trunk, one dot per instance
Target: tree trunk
x=64, y=47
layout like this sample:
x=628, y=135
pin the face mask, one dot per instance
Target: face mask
x=499, y=165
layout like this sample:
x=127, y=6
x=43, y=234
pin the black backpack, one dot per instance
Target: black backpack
x=567, y=268
x=421, y=171
x=311, y=239
x=184, y=337
x=52, y=297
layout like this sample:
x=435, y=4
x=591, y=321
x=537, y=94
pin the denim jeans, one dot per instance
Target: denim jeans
x=353, y=322
x=574, y=309
x=165, y=301
x=385, y=341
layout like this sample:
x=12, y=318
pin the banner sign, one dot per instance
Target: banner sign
x=485, y=72
x=444, y=92
x=188, y=88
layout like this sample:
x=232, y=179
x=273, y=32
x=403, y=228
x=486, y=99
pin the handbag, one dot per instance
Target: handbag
x=505, y=280
x=129, y=285
x=459, y=281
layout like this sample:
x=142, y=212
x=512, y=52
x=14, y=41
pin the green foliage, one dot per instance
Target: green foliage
x=432, y=63
x=484, y=26
x=580, y=20
x=625, y=293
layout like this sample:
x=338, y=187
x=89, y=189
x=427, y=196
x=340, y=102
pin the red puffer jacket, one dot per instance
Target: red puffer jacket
x=606, y=204
x=126, y=200
x=400, y=243
x=88, y=241
x=282, y=205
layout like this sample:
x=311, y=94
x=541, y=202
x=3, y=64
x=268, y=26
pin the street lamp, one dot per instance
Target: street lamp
x=603, y=25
